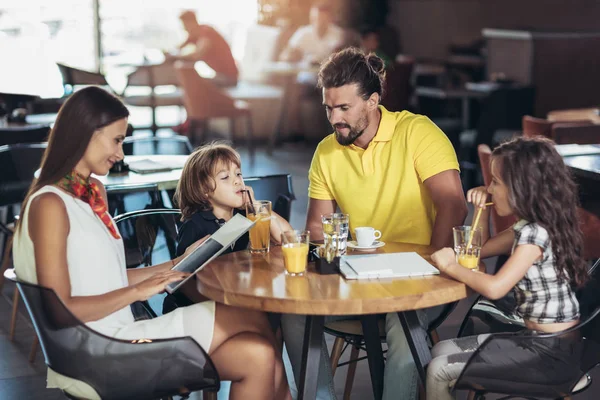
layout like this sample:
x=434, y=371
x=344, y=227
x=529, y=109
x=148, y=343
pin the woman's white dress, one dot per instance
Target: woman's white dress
x=96, y=264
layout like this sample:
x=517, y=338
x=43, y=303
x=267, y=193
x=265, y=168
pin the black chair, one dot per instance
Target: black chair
x=171, y=145
x=24, y=134
x=529, y=365
x=114, y=368
x=277, y=188
x=349, y=332
x=127, y=198
x=74, y=78
x=18, y=163
x=487, y=316
x=149, y=237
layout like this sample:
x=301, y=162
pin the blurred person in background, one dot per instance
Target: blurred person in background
x=210, y=47
x=315, y=42
x=370, y=43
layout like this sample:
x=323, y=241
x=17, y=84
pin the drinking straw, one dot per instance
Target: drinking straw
x=251, y=203
x=474, y=225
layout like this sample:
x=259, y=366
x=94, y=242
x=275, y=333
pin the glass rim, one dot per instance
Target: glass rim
x=297, y=234
x=261, y=202
x=296, y=231
x=335, y=215
x=461, y=228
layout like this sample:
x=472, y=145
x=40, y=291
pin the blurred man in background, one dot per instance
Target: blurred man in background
x=210, y=47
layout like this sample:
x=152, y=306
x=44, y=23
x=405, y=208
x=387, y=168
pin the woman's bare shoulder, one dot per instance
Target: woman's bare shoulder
x=48, y=208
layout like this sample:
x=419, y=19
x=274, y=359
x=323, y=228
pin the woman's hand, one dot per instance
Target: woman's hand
x=443, y=258
x=478, y=196
x=157, y=283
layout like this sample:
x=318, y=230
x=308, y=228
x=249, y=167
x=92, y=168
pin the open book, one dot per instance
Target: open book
x=211, y=248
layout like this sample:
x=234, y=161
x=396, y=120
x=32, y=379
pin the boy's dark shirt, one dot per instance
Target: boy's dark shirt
x=201, y=224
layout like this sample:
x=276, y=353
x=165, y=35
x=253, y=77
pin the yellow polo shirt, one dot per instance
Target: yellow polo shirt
x=382, y=186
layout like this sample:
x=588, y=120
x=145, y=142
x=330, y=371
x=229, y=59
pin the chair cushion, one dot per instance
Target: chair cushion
x=351, y=327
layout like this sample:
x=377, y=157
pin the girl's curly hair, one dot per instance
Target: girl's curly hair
x=541, y=190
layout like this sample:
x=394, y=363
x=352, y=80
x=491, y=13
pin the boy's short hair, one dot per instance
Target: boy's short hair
x=197, y=178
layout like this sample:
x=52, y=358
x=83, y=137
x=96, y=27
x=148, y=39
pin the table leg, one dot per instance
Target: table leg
x=311, y=356
x=370, y=329
x=416, y=341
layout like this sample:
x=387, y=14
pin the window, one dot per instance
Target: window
x=132, y=31
x=37, y=33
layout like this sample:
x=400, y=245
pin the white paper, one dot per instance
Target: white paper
x=389, y=265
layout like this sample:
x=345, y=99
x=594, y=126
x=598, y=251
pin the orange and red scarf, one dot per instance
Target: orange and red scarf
x=89, y=192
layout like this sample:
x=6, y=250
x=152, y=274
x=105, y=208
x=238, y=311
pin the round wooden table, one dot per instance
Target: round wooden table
x=259, y=282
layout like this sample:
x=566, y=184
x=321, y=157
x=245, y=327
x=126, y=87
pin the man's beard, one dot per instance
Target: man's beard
x=353, y=133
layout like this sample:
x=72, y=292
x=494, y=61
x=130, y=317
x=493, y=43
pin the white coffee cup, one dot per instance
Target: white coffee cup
x=365, y=235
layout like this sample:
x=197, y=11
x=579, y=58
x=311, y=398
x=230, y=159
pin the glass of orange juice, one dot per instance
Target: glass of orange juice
x=294, y=245
x=467, y=246
x=260, y=233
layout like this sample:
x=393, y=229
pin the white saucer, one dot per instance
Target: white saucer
x=354, y=246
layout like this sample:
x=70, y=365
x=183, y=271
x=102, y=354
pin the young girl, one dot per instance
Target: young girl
x=211, y=191
x=545, y=245
x=67, y=241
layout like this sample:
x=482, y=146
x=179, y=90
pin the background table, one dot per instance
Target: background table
x=133, y=181
x=462, y=94
x=578, y=114
x=586, y=169
x=259, y=282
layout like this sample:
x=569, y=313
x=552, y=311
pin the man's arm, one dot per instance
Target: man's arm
x=188, y=40
x=316, y=208
x=202, y=46
x=446, y=192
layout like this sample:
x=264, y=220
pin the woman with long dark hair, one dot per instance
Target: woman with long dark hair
x=530, y=181
x=67, y=241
